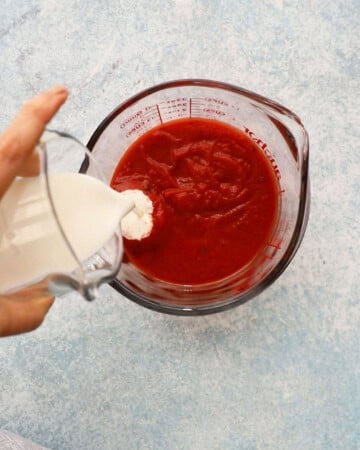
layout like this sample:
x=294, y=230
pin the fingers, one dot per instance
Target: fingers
x=21, y=317
x=32, y=292
x=17, y=158
x=19, y=139
x=31, y=167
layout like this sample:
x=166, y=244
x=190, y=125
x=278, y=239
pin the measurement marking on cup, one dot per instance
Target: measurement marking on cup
x=152, y=115
x=198, y=101
x=263, y=145
x=195, y=105
x=158, y=110
x=275, y=245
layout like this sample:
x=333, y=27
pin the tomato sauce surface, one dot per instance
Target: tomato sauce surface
x=215, y=199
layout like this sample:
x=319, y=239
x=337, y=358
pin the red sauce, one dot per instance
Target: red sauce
x=215, y=200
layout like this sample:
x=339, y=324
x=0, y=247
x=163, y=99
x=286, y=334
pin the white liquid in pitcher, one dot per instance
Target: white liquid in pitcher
x=31, y=243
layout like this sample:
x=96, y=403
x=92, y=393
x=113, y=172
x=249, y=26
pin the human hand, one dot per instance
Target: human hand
x=17, y=158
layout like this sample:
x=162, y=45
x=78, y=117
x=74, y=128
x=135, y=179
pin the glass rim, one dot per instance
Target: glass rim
x=301, y=220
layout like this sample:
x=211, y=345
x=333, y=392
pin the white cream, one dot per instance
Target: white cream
x=31, y=244
x=138, y=223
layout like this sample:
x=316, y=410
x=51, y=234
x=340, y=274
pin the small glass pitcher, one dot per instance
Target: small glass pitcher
x=32, y=215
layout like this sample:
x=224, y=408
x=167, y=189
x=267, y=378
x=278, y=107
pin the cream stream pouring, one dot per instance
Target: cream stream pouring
x=87, y=212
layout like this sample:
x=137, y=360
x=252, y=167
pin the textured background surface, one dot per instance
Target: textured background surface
x=281, y=372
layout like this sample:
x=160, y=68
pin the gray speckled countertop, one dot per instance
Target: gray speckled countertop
x=282, y=371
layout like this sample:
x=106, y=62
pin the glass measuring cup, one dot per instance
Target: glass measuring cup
x=30, y=220
x=278, y=133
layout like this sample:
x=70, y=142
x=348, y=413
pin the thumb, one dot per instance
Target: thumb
x=22, y=316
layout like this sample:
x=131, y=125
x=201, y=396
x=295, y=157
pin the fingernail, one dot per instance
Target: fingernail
x=56, y=90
